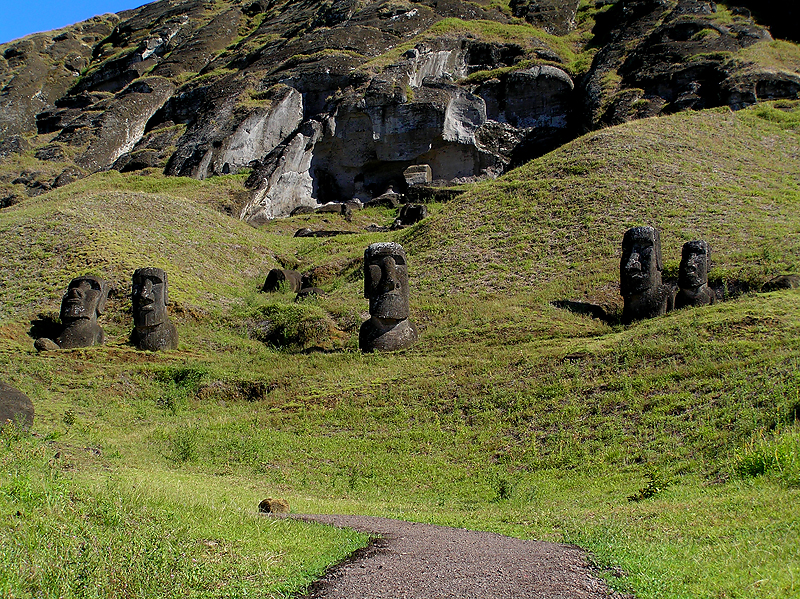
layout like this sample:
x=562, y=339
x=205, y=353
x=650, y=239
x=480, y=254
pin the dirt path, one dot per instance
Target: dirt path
x=423, y=561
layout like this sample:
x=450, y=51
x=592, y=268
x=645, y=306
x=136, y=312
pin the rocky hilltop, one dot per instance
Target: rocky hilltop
x=324, y=101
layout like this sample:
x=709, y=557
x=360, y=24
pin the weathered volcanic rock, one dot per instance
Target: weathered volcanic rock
x=153, y=150
x=15, y=406
x=325, y=101
x=37, y=70
x=116, y=125
x=195, y=52
x=659, y=57
x=14, y=144
x=284, y=181
x=418, y=174
x=554, y=16
x=227, y=132
x=781, y=16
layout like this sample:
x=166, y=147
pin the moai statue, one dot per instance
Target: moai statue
x=693, y=276
x=782, y=282
x=153, y=329
x=389, y=198
x=386, y=287
x=640, y=276
x=276, y=276
x=410, y=214
x=83, y=302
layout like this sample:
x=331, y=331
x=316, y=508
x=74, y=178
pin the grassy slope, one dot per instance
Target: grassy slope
x=509, y=415
x=729, y=178
x=96, y=226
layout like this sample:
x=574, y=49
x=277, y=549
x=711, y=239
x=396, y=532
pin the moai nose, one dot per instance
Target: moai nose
x=146, y=289
x=633, y=262
x=390, y=279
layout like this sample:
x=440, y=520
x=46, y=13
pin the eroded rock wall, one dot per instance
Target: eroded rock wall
x=283, y=182
x=231, y=131
x=37, y=70
x=659, y=57
x=321, y=101
x=121, y=125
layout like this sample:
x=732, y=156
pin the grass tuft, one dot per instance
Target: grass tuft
x=776, y=453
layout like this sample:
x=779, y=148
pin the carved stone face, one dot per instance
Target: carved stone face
x=85, y=299
x=693, y=272
x=150, y=297
x=386, y=280
x=640, y=265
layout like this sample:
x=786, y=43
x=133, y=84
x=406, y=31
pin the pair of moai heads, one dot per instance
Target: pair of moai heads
x=643, y=291
x=85, y=301
x=386, y=286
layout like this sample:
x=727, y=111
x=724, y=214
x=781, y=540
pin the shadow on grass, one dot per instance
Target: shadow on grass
x=587, y=309
x=45, y=325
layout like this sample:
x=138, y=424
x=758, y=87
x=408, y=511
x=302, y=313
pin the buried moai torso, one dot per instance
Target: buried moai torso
x=693, y=276
x=83, y=302
x=153, y=329
x=410, y=214
x=386, y=287
x=643, y=293
x=276, y=277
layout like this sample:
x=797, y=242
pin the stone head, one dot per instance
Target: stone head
x=695, y=260
x=640, y=265
x=150, y=297
x=85, y=299
x=386, y=280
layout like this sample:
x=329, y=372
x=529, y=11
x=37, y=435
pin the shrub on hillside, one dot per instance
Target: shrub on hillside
x=776, y=454
x=292, y=325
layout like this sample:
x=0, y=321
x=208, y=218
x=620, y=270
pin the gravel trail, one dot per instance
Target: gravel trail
x=423, y=561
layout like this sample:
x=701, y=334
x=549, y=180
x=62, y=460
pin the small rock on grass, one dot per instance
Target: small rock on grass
x=16, y=407
x=782, y=282
x=273, y=506
x=45, y=344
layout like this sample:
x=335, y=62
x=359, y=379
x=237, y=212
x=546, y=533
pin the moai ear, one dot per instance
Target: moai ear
x=657, y=249
x=166, y=289
x=101, y=303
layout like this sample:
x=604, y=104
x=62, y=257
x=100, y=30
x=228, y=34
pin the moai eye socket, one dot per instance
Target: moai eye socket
x=375, y=274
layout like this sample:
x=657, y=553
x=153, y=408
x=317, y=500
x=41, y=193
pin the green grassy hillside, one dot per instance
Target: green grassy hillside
x=670, y=448
x=554, y=226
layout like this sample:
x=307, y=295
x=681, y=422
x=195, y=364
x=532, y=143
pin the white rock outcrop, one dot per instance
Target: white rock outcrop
x=118, y=129
x=283, y=182
x=257, y=135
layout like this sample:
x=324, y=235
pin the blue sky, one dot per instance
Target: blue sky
x=21, y=17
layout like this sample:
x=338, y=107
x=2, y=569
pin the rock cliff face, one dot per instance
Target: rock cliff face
x=325, y=100
x=36, y=71
x=659, y=57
